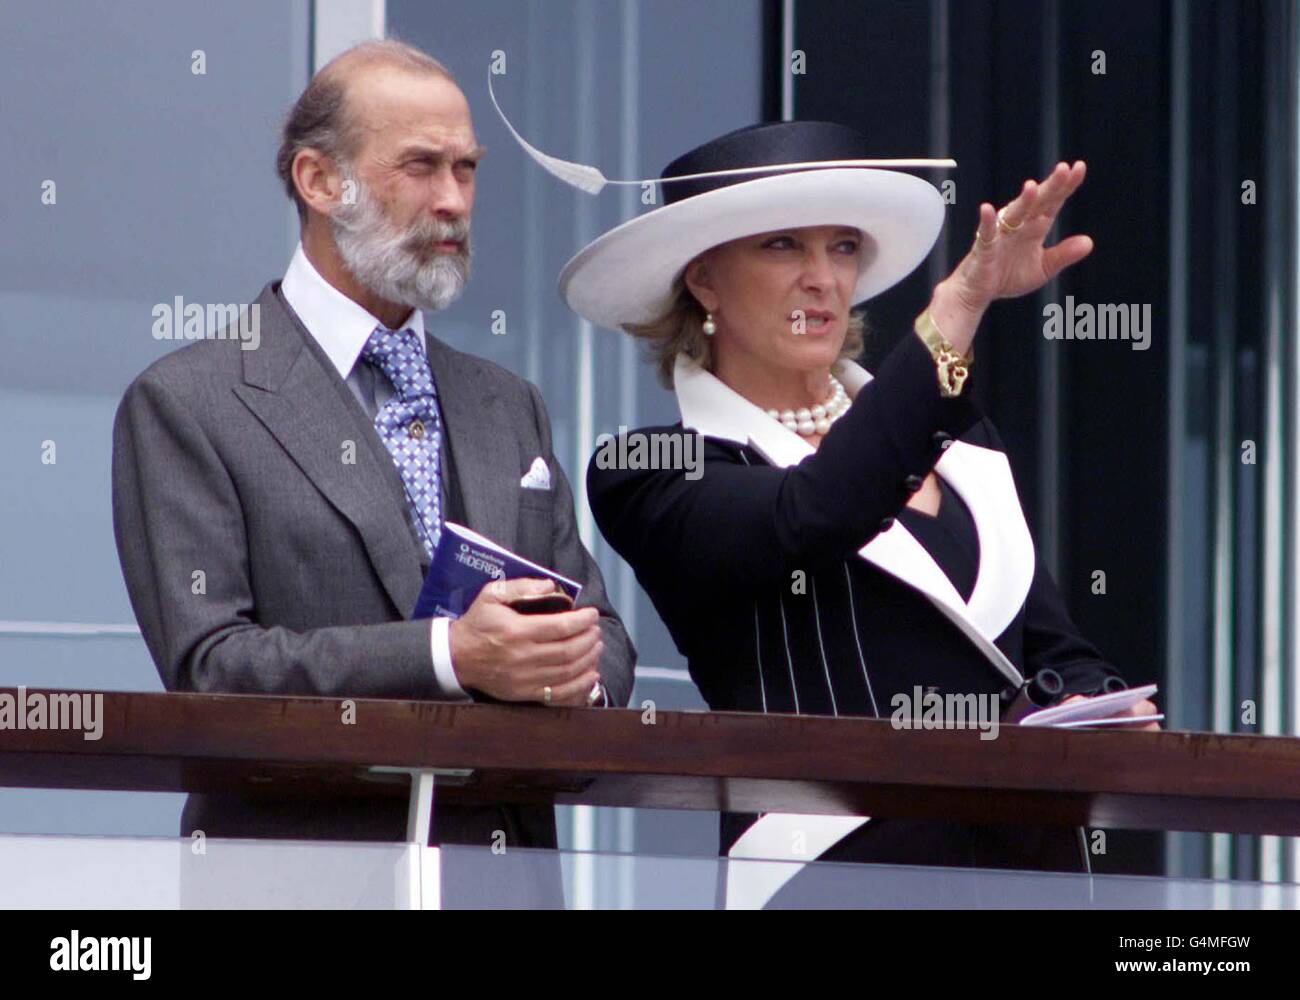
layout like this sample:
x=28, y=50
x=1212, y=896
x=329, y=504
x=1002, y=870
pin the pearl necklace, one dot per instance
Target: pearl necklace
x=817, y=419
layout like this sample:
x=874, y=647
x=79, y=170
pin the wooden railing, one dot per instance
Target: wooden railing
x=674, y=760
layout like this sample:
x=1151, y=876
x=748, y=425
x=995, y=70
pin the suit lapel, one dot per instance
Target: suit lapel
x=292, y=389
x=980, y=475
x=484, y=448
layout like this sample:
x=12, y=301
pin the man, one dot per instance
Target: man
x=276, y=509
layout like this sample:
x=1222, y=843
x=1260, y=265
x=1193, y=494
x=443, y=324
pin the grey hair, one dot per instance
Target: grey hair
x=319, y=119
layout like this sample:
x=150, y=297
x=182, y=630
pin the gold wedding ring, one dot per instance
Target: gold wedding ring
x=983, y=241
x=1004, y=225
x=546, y=694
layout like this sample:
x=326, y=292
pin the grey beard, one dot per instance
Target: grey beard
x=388, y=262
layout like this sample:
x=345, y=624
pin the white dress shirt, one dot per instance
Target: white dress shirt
x=341, y=327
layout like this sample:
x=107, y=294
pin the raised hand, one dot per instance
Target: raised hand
x=1007, y=258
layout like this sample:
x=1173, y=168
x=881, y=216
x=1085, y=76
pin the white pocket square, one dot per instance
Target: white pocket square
x=538, y=477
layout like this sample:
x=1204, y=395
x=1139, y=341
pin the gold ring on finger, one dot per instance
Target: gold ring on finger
x=1004, y=225
x=983, y=241
x=546, y=694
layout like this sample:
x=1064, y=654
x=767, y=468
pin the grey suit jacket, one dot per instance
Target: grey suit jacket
x=264, y=536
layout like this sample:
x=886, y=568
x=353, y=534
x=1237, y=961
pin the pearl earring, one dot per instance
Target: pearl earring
x=709, y=327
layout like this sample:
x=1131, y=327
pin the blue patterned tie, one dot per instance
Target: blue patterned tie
x=409, y=424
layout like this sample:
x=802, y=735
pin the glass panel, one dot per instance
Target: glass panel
x=129, y=873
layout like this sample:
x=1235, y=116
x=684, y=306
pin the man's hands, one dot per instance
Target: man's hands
x=515, y=657
x=1007, y=258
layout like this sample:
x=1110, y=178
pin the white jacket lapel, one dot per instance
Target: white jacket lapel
x=982, y=477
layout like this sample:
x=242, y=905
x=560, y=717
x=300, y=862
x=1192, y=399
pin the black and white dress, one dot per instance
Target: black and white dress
x=797, y=580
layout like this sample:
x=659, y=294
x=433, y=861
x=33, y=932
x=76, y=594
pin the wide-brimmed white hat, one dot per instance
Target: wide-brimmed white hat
x=780, y=175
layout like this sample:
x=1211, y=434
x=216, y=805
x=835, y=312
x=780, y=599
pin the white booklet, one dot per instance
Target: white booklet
x=1098, y=711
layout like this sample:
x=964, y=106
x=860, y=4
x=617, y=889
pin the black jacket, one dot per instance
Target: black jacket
x=721, y=555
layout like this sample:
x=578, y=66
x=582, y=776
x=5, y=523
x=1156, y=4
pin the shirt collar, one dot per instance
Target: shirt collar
x=713, y=408
x=340, y=326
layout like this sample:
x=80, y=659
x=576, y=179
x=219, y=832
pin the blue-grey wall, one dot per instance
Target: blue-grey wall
x=164, y=185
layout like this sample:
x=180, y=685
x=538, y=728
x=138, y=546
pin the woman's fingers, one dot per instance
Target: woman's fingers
x=1036, y=201
x=1065, y=254
x=1022, y=208
x=1001, y=266
x=1062, y=182
x=1140, y=709
x=987, y=230
x=1145, y=707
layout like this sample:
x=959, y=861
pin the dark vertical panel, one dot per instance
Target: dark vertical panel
x=1239, y=156
x=869, y=67
x=1114, y=399
x=997, y=115
x=1114, y=396
x=1110, y=472
x=1279, y=225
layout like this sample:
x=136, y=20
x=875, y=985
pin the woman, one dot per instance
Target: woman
x=849, y=537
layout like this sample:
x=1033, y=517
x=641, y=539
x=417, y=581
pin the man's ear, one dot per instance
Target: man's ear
x=317, y=178
x=699, y=280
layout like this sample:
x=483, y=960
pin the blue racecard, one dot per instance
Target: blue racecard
x=464, y=562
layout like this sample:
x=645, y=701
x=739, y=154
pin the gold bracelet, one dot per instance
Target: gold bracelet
x=953, y=368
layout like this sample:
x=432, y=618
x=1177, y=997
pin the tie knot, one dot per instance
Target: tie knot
x=400, y=356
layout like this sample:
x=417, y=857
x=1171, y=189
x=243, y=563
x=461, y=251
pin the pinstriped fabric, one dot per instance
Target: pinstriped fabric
x=824, y=658
x=758, y=639
x=821, y=646
x=826, y=639
x=785, y=635
x=857, y=640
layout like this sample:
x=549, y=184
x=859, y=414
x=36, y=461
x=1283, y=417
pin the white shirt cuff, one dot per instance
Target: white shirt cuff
x=444, y=674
